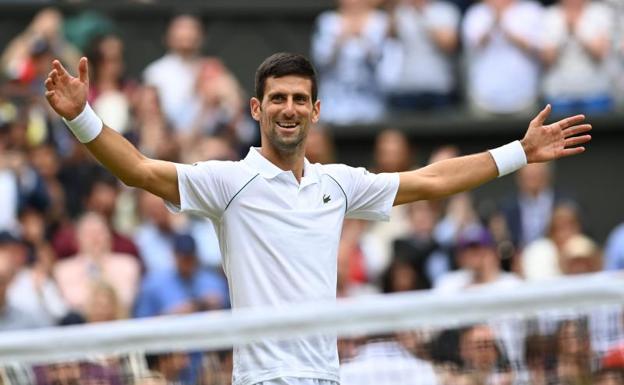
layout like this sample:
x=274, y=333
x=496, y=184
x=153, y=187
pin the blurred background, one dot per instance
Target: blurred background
x=403, y=83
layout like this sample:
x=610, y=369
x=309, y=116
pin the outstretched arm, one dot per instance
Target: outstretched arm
x=541, y=143
x=67, y=95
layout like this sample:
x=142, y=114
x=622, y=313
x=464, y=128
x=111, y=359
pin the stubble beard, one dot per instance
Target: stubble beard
x=287, y=145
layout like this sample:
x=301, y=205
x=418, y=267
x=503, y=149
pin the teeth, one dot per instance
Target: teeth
x=287, y=125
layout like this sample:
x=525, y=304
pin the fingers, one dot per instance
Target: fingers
x=576, y=140
x=575, y=130
x=572, y=151
x=542, y=116
x=49, y=83
x=60, y=70
x=571, y=121
x=83, y=70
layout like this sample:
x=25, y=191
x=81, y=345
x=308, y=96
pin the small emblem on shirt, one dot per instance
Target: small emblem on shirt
x=326, y=198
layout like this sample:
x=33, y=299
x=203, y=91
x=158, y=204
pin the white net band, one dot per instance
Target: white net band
x=360, y=316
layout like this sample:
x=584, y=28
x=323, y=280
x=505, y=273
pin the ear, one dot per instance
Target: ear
x=256, y=108
x=316, y=111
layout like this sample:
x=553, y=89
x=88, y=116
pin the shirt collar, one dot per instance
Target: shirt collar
x=268, y=170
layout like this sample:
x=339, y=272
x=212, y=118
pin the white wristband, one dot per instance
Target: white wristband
x=86, y=126
x=509, y=158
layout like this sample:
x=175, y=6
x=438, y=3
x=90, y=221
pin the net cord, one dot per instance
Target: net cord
x=346, y=317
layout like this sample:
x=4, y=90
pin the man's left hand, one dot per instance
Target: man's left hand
x=543, y=143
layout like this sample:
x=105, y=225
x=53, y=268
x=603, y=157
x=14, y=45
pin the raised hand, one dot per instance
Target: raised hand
x=543, y=143
x=66, y=94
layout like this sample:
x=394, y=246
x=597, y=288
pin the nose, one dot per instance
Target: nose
x=289, y=108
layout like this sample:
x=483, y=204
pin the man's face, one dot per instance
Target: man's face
x=185, y=35
x=286, y=113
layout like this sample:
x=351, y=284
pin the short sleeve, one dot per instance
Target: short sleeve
x=204, y=188
x=369, y=196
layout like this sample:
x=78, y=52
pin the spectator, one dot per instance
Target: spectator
x=346, y=48
x=110, y=90
x=384, y=361
x=403, y=275
x=539, y=357
x=417, y=67
x=218, y=108
x=95, y=261
x=21, y=187
x=11, y=316
x=154, y=236
x=174, y=367
x=320, y=146
x=614, y=249
x=503, y=71
x=44, y=30
x=175, y=74
x=577, y=47
x=580, y=255
x=457, y=211
x=208, y=148
x=33, y=289
x=573, y=353
x=482, y=358
x=151, y=131
x=103, y=303
x=47, y=164
x=102, y=197
x=540, y=258
x=421, y=245
x=480, y=265
x=359, y=259
x=392, y=153
x=528, y=211
x=189, y=288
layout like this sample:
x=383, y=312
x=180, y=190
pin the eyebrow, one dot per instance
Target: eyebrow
x=295, y=95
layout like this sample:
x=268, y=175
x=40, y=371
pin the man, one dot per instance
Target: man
x=12, y=317
x=529, y=210
x=188, y=288
x=174, y=75
x=480, y=265
x=278, y=216
x=384, y=360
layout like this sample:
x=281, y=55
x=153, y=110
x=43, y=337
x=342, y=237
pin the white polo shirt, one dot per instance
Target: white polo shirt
x=279, y=240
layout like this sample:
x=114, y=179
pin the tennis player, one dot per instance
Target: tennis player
x=278, y=217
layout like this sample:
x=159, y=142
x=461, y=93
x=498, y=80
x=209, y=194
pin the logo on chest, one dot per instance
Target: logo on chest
x=326, y=198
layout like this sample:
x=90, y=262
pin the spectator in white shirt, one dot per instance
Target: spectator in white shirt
x=576, y=49
x=346, y=48
x=385, y=361
x=501, y=38
x=417, y=69
x=174, y=75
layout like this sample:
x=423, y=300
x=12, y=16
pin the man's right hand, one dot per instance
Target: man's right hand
x=66, y=94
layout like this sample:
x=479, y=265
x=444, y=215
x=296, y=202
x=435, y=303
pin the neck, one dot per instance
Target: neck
x=185, y=55
x=292, y=161
x=485, y=275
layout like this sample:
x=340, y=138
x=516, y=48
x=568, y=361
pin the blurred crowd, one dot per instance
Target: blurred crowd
x=76, y=246
x=500, y=57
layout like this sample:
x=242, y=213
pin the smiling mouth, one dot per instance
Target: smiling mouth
x=288, y=125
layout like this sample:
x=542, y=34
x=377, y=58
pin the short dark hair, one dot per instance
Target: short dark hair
x=284, y=64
